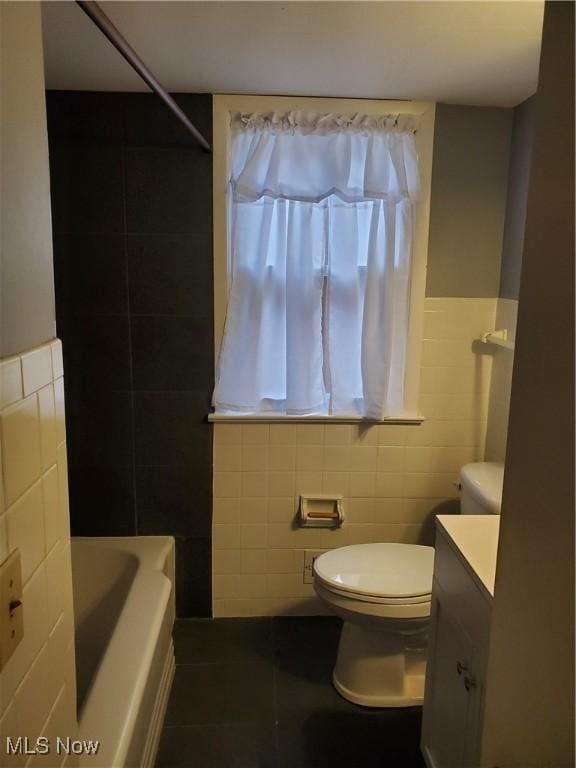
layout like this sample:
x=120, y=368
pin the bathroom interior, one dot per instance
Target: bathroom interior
x=287, y=384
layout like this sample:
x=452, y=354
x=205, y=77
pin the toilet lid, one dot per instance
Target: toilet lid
x=378, y=570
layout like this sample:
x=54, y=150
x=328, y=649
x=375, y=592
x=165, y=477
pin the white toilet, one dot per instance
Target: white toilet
x=383, y=594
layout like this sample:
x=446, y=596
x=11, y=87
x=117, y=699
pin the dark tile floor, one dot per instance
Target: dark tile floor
x=257, y=693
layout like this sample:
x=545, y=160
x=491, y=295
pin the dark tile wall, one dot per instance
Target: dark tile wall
x=132, y=223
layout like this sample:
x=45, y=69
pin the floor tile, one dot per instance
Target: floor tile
x=225, y=640
x=350, y=740
x=304, y=656
x=228, y=694
x=218, y=747
x=258, y=693
x=320, y=634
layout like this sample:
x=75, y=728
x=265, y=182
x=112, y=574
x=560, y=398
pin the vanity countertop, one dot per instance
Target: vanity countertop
x=474, y=538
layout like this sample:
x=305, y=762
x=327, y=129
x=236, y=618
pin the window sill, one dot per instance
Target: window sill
x=245, y=418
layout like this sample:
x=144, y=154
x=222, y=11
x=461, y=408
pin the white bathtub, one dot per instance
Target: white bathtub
x=124, y=614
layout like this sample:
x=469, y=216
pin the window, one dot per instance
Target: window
x=321, y=233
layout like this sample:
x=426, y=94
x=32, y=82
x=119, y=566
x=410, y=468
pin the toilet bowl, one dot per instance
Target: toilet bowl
x=383, y=594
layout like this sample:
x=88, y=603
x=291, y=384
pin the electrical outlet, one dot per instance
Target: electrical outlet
x=11, y=619
x=309, y=556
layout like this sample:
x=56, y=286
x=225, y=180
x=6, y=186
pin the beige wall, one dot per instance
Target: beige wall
x=530, y=687
x=518, y=178
x=392, y=477
x=468, y=200
x=507, y=308
x=26, y=272
x=37, y=685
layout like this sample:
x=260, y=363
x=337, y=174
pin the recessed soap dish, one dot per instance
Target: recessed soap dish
x=321, y=510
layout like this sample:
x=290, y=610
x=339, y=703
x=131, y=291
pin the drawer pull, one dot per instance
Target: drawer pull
x=461, y=667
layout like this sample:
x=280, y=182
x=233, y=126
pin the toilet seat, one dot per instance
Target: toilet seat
x=376, y=600
x=386, y=574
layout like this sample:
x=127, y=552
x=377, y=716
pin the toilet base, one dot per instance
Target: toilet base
x=379, y=668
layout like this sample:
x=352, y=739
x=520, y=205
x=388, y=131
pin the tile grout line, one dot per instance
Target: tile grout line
x=276, y=712
x=129, y=318
x=261, y=739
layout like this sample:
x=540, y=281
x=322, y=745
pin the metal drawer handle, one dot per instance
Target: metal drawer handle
x=461, y=667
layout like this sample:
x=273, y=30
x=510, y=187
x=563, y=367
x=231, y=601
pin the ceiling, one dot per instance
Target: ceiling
x=480, y=53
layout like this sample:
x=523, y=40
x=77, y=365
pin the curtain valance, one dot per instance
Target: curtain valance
x=308, y=157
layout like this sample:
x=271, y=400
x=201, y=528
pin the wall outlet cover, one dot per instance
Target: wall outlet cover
x=309, y=556
x=11, y=612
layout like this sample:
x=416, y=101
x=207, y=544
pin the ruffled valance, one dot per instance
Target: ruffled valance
x=317, y=122
x=307, y=157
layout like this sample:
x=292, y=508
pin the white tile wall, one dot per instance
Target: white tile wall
x=393, y=477
x=37, y=686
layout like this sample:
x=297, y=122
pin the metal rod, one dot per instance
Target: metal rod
x=93, y=11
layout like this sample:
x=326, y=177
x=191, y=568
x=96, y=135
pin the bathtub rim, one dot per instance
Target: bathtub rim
x=149, y=603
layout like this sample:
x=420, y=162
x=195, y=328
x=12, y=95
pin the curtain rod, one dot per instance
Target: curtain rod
x=94, y=12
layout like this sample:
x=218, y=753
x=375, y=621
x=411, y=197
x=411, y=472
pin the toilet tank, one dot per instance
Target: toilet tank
x=481, y=488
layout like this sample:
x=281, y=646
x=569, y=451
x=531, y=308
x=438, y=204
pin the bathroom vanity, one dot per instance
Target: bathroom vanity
x=463, y=588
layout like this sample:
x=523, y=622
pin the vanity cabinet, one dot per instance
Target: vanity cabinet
x=457, y=660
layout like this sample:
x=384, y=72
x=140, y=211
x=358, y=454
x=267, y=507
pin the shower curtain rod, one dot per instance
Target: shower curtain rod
x=94, y=12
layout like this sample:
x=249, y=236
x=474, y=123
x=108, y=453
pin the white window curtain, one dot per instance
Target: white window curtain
x=321, y=221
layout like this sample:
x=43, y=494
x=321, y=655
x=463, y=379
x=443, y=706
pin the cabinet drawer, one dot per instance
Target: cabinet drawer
x=461, y=596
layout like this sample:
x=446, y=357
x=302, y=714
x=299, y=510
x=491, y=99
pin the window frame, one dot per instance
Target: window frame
x=225, y=104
